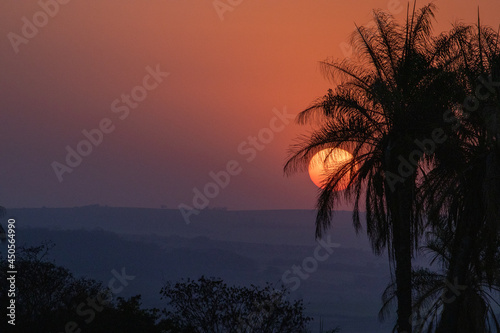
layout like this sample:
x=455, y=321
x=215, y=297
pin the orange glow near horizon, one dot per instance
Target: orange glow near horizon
x=229, y=71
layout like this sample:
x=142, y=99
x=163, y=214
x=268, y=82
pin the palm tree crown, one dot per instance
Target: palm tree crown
x=389, y=100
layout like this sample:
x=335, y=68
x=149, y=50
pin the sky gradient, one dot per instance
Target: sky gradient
x=213, y=84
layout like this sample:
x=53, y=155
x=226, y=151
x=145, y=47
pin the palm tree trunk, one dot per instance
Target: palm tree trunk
x=464, y=245
x=402, y=255
x=457, y=276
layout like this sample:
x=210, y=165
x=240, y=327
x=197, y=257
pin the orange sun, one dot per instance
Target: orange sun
x=327, y=161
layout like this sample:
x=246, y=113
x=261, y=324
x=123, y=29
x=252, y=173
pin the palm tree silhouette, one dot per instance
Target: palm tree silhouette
x=394, y=93
x=433, y=291
x=464, y=183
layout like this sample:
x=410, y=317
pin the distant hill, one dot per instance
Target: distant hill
x=288, y=226
x=243, y=247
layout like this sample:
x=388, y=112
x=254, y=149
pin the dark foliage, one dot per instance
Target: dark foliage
x=209, y=305
x=50, y=299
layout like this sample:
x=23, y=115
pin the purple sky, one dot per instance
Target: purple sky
x=234, y=74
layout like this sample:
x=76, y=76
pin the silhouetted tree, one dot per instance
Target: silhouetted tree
x=477, y=300
x=46, y=294
x=388, y=102
x=209, y=305
x=463, y=185
x=50, y=299
x=128, y=316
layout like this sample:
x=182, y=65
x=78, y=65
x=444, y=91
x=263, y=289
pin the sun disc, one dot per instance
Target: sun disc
x=326, y=162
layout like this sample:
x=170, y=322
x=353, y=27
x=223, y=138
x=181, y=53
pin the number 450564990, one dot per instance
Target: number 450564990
x=11, y=257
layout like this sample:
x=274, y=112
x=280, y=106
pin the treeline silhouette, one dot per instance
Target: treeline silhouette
x=49, y=298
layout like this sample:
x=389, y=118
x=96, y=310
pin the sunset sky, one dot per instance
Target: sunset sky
x=235, y=70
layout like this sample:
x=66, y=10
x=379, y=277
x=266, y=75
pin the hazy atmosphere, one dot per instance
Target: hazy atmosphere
x=237, y=166
x=228, y=70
